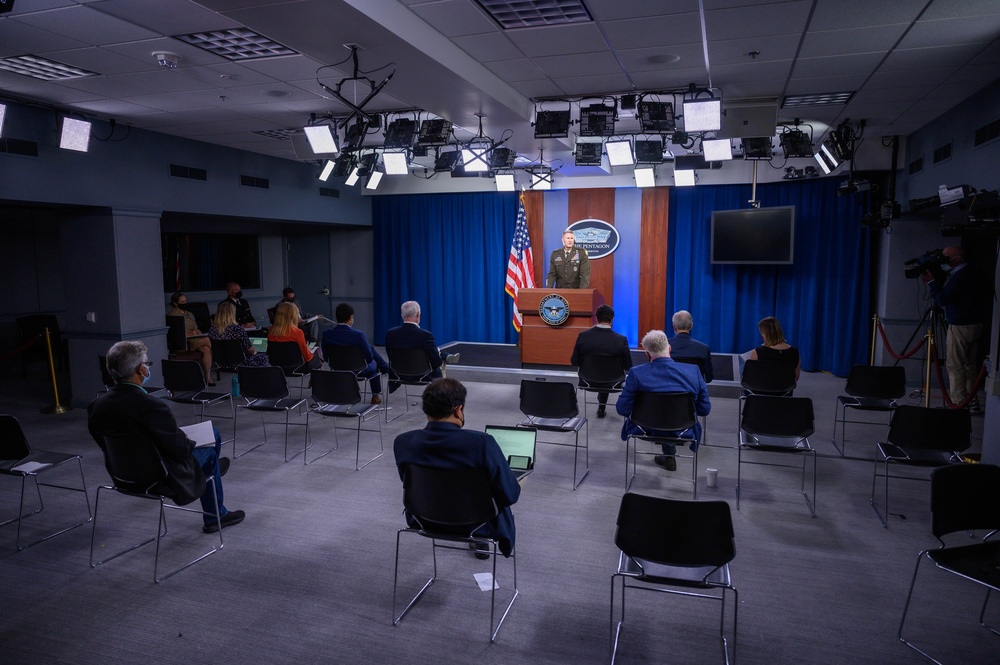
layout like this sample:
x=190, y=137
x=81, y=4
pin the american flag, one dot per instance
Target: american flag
x=520, y=271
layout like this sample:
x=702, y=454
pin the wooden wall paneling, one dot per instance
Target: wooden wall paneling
x=595, y=204
x=534, y=213
x=652, y=275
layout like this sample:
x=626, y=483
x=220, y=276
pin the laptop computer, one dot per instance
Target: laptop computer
x=259, y=343
x=517, y=445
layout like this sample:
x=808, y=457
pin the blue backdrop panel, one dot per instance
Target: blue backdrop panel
x=628, y=214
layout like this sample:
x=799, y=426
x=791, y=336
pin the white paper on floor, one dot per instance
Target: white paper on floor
x=485, y=581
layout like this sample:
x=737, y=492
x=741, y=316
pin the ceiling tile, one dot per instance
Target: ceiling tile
x=171, y=17
x=858, y=40
x=806, y=85
x=941, y=56
x=654, y=31
x=85, y=24
x=18, y=38
x=515, y=70
x=761, y=20
x=863, y=63
x=982, y=29
x=99, y=60
x=557, y=40
x=588, y=85
x=734, y=51
x=569, y=65
x=844, y=14
x=537, y=88
x=606, y=10
x=488, y=47
x=454, y=18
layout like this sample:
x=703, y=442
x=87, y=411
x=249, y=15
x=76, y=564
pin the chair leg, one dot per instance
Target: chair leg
x=586, y=452
x=810, y=504
x=357, y=459
x=840, y=415
x=739, y=472
x=395, y=583
x=21, y=515
x=307, y=444
x=982, y=614
x=906, y=608
x=874, y=506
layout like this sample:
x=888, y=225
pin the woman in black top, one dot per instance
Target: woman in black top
x=775, y=348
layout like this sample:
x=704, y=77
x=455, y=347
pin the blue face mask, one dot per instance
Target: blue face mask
x=145, y=379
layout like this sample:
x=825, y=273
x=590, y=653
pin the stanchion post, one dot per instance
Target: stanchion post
x=930, y=359
x=57, y=407
x=871, y=348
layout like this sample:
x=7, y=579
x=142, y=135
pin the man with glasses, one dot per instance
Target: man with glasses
x=128, y=410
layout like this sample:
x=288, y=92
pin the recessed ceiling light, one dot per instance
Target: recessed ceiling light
x=817, y=99
x=530, y=13
x=275, y=93
x=42, y=68
x=237, y=44
x=279, y=134
x=663, y=59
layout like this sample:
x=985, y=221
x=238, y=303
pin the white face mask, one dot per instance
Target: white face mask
x=145, y=379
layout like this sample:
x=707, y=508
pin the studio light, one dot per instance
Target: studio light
x=541, y=177
x=3, y=112
x=373, y=180
x=656, y=116
x=505, y=182
x=796, y=143
x=366, y=165
x=684, y=178
x=717, y=150
x=588, y=152
x=395, y=163
x=756, y=147
x=322, y=140
x=825, y=161
x=475, y=158
x=619, y=153
x=552, y=124
x=355, y=135
x=649, y=151
x=75, y=135
x=446, y=161
x=353, y=178
x=645, y=177
x=400, y=133
x=502, y=158
x=597, y=120
x=434, y=132
x=703, y=115
x=343, y=165
x=327, y=170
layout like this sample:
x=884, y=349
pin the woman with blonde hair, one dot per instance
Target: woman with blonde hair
x=196, y=340
x=286, y=329
x=775, y=348
x=224, y=326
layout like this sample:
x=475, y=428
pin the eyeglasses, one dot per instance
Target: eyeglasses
x=147, y=363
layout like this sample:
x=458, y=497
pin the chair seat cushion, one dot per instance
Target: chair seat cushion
x=775, y=443
x=37, y=457
x=867, y=403
x=980, y=562
x=919, y=457
x=692, y=576
x=283, y=404
x=345, y=410
x=558, y=424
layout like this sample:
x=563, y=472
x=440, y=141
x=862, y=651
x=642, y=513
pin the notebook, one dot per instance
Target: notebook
x=259, y=343
x=518, y=446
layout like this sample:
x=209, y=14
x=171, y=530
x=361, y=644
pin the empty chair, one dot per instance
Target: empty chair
x=919, y=437
x=408, y=367
x=777, y=425
x=600, y=374
x=663, y=412
x=137, y=470
x=964, y=498
x=869, y=388
x=675, y=547
x=452, y=506
x=552, y=407
x=337, y=395
x=18, y=460
x=185, y=384
x=265, y=391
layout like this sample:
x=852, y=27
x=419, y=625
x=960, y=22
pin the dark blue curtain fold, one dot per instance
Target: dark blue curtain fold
x=822, y=300
x=449, y=253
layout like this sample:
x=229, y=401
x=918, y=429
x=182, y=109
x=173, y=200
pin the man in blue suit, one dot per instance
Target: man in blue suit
x=663, y=375
x=443, y=444
x=682, y=345
x=411, y=336
x=343, y=334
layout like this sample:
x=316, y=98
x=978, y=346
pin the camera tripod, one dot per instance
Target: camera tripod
x=939, y=327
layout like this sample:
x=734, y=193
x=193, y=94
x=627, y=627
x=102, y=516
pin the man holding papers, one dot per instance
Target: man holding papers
x=128, y=410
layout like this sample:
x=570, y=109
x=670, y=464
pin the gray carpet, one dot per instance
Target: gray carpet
x=308, y=576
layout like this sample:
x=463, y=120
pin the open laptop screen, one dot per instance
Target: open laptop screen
x=517, y=444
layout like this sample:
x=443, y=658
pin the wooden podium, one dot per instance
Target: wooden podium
x=544, y=344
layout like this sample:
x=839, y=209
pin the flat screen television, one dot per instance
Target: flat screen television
x=754, y=236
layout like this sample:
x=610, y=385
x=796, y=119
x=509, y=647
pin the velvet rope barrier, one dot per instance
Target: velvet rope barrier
x=892, y=353
x=21, y=349
x=944, y=391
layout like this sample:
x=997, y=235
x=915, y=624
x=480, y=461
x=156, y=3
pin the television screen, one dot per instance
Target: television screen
x=754, y=235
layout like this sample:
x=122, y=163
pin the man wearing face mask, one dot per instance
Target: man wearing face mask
x=244, y=316
x=313, y=325
x=127, y=410
x=443, y=444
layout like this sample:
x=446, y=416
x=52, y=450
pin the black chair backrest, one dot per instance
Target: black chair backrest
x=35, y=324
x=409, y=362
x=768, y=377
x=176, y=334
x=691, y=361
x=227, y=354
x=335, y=387
x=671, y=412
x=601, y=369
x=876, y=382
x=202, y=316
x=547, y=399
x=133, y=463
x=766, y=415
x=965, y=497
x=262, y=382
x=285, y=355
x=448, y=497
x=180, y=376
x=947, y=430
x=271, y=311
x=106, y=378
x=346, y=358
x=682, y=533
x=13, y=443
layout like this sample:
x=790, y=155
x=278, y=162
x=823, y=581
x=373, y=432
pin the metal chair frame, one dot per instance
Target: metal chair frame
x=344, y=358
x=288, y=357
x=336, y=397
x=265, y=390
x=670, y=412
x=552, y=407
x=406, y=363
x=599, y=373
x=869, y=388
x=185, y=384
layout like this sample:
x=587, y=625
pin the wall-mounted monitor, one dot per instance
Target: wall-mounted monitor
x=754, y=236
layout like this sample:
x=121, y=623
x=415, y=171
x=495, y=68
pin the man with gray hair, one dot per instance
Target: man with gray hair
x=128, y=410
x=411, y=336
x=685, y=348
x=663, y=375
x=569, y=266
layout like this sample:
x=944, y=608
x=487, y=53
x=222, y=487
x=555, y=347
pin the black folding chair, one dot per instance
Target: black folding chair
x=337, y=395
x=964, y=498
x=288, y=357
x=781, y=425
x=552, y=407
x=451, y=505
x=227, y=355
x=869, y=388
x=18, y=460
x=675, y=547
x=662, y=412
x=407, y=367
x=920, y=437
x=347, y=359
x=265, y=391
x=599, y=374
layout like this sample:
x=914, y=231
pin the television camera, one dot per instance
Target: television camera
x=931, y=262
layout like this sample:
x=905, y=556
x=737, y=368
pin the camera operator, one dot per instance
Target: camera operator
x=960, y=294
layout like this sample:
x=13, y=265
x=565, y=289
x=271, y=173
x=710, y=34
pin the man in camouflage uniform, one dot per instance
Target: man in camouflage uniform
x=569, y=267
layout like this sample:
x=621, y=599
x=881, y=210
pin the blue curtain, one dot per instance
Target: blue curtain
x=449, y=253
x=822, y=300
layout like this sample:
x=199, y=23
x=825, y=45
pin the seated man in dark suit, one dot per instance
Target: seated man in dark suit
x=343, y=334
x=443, y=444
x=601, y=340
x=683, y=346
x=663, y=375
x=127, y=410
x=411, y=336
x=244, y=316
x=313, y=325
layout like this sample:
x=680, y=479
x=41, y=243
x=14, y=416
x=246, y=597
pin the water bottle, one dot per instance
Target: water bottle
x=235, y=390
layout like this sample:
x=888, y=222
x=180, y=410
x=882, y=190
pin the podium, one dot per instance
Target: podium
x=544, y=344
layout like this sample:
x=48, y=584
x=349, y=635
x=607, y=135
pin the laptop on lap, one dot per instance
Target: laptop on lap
x=517, y=445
